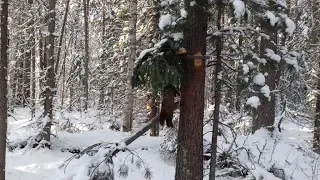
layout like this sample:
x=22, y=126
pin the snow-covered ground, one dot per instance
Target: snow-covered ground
x=289, y=150
x=43, y=164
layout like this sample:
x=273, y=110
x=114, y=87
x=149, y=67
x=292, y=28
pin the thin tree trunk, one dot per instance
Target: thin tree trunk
x=217, y=96
x=26, y=75
x=33, y=65
x=127, y=124
x=50, y=78
x=86, y=56
x=3, y=89
x=102, y=84
x=189, y=162
x=33, y=77
x=154, y=105
x=65, y=17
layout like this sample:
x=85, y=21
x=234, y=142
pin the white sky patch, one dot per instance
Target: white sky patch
x=177, y=36
x=239, y=8
x=183, y=13
x=259, y=79
x=245, y=68
x=270, y=53
x=165, y=20
x=265, y=90
x=254, y=102
x=273, y=19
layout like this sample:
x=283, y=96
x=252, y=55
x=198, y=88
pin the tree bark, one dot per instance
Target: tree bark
x=102, y=84
x=3, y=89
x=217, y=95
x=189, y=162
x=153, y=102
x=127, y=123
x=65, y=17
x=266, y=111
x=314, y=41
x=86, y=56
x=50, y=78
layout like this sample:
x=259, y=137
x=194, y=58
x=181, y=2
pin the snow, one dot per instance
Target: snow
x=165, y=20
x=43, y=164
x=270, y=53
x=259, y=79
x=282, y=3
x=272, y=18
x=260, y=60
x=239, y=8
x=245, y=68
x=193, y=3
x=177, y=36
x=145, y=51
x=291, y=61
x=183, y=13
x=290, y=150
x=265, y=90
x=290, y=26
x=254, y=102
x=250, y=64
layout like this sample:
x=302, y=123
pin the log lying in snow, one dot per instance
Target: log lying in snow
x=144, y=129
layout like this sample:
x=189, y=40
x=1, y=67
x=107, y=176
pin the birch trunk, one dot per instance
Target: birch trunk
x=127, y=123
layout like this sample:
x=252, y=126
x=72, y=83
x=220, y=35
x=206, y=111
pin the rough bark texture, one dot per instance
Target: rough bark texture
x=3, y=89
x=266, y=111
x=102, y=84
x=127, y=124
x=86, y=56
x=50, y=78
x=217, y=96
x=315, y=35
x=153, y=103
x=189, y=162
x=26, y=77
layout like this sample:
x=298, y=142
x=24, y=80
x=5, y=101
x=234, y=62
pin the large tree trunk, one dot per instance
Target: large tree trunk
x=50, y=78
x=314, y=40
x=3, y=89
x=127, y=123
x=86, y=56
x=266, y=111
x=217, y=95
x=189, y=162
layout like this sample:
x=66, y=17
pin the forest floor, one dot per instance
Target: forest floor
x=43, y=164
x=288, y=152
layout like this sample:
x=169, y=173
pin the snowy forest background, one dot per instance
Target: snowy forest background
x=82, y=83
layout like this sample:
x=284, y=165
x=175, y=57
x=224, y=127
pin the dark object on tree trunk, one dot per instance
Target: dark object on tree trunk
x=168, y=105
